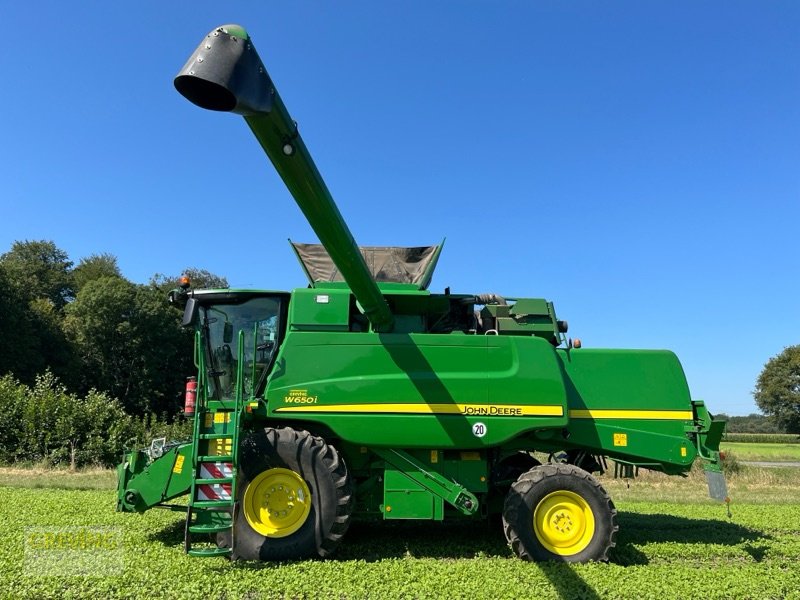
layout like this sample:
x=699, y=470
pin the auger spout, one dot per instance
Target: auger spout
x=226, y=74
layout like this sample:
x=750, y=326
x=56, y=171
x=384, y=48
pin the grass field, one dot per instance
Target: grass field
x=673, y=543
x=763, y=451
x=766, y=438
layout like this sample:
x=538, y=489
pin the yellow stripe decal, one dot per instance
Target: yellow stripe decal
x=502, y=410
x=661, y=415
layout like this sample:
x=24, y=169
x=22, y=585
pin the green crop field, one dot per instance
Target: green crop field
x=762, y=451
x=673, y=543
x=765, y=438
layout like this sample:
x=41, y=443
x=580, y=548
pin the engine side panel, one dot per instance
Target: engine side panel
x=419, y=390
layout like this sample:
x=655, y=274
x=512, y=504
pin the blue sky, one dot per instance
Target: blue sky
x=635, y=162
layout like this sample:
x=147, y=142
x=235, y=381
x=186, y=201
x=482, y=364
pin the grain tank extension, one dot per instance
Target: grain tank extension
x=366, y=396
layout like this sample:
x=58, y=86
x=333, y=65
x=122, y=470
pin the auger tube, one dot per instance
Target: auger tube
x=226, y=74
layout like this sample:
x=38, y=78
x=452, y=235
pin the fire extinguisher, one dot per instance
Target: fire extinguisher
x=191, y=396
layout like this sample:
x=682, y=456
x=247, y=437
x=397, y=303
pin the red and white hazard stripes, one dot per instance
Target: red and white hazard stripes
x=215, y=470
x=215, y=491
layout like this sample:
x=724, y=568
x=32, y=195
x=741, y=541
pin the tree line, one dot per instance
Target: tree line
x=79, y=336
x=752, y=423
x=45, y=423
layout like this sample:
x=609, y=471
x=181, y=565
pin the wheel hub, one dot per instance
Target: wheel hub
x=277, y=502
x=563, y=522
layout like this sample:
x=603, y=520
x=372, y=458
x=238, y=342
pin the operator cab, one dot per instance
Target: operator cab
x=237, y=335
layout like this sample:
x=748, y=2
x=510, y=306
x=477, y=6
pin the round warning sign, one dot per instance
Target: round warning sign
x=479, y=430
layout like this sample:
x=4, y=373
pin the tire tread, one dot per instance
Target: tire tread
x=523, y=486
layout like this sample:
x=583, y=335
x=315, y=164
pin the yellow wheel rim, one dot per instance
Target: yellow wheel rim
x=277, y=503
x=564, y=523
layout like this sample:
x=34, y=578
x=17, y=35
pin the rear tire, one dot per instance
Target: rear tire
x=294, y=497
x=559, y=512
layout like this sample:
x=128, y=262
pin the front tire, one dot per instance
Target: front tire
x=559, y=512
x=294, y=497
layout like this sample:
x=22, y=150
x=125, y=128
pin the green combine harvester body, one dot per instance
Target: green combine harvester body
x=366, y=395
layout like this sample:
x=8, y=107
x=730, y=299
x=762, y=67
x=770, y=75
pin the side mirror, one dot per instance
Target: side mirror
x=190, y=312
x=227, y=333
x=177, y=297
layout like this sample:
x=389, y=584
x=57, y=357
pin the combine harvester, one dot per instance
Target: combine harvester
x=364, y=395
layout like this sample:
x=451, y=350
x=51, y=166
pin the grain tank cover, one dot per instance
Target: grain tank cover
x=386, y=264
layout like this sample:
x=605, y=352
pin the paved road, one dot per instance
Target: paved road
x=762, y=463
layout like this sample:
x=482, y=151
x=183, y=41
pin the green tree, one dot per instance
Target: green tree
x=52, y=348
x=777, y=390
x=752, y=423
x=39, y=270
x=12, y=430
x=90, y=430
x=18, y=347
x=97, y=322
x=31, y=338
x=45, y=422
x=200, y=279
x=129, y=341
x=166, y=351
x=94, y=267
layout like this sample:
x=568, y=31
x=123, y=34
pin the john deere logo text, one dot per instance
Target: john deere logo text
x=491, y=410
x=299, y=397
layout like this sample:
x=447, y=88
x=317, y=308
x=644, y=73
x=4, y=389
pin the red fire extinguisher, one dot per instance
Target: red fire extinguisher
x=191, y=396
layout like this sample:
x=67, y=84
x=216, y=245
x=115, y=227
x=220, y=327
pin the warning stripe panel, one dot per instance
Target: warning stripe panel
x=214, y=492
x=215, y=470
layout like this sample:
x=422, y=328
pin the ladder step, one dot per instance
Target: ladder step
x=214, y=481
x=209, y=528
x=209, y=552
x=213, y=516
x=215, y=406
x=212, y=504
x=226, y=458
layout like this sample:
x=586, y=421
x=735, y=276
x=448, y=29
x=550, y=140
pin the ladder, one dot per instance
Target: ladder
x=212, y=502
